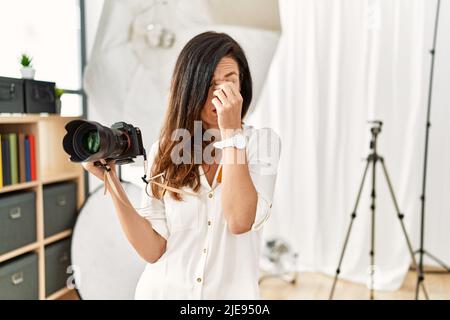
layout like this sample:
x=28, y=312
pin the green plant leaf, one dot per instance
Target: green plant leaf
x=25, y=60
x=58, y=92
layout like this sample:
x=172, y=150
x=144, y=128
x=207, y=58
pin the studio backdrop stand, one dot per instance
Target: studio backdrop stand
x=371, y=161
x=421, y=251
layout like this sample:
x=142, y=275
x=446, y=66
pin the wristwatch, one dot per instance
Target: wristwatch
x=238, y=141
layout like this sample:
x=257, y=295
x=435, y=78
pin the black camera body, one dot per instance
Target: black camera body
x=136, y=147
x=89, y=141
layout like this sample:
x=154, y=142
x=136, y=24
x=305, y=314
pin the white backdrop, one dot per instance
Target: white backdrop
x=126, y=80
x=339, y=64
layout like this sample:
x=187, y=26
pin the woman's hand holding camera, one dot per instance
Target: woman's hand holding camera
x=97, y=170
x=228, y=103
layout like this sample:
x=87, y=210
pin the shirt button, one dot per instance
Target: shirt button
x=209, y=222
x=210, y=195
x=204, y=250
x=199, y=280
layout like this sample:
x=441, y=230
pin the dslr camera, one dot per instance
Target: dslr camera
x=89, y=141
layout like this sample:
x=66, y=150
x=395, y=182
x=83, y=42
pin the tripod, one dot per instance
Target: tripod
x=422, y=251
x=371, y=162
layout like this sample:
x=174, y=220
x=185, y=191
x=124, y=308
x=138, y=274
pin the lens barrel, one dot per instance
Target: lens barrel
x=91, y=141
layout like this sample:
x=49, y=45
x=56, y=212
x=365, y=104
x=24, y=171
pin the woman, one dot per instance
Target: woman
x=200, y=226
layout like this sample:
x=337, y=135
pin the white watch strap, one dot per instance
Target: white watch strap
x=238, y=140
x=224, y=143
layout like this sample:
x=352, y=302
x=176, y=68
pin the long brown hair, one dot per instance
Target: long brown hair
x=190, y=84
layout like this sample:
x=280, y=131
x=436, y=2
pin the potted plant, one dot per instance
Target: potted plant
x=27, y=68
x=58, y=93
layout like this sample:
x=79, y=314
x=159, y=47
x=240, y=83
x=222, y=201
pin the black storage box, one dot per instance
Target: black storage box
x=11, y=95
x=60, y=209
x=39, y=96
x=17, y=220
x=26, y=96
x=57, y=260
x=19, y=278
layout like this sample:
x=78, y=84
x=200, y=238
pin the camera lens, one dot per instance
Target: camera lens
x=91, y=141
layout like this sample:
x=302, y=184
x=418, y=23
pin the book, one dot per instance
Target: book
x=13, y=158
x=1, y=163
x=6, y=158
x=32, y=156
x=27, y=159
x=21, y=147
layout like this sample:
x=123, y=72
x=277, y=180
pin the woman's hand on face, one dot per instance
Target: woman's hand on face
x=228, y=103
x=98, y=171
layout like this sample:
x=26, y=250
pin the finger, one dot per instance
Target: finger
x=237, y=92
x=222, y=97
x=88, y=165
x=228, y=91
x=232, y=87
x=216, y=102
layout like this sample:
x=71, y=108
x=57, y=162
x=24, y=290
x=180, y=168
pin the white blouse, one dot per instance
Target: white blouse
x=203, y=259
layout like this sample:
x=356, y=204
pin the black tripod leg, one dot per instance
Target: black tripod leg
x=372, y=224
x=353, y=216
x=408, y=242
x=437, y=260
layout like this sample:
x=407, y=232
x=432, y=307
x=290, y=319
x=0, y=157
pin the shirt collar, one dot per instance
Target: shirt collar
x=204, y=182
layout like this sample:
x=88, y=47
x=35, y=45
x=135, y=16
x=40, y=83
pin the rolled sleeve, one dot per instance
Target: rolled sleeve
x=264, y=148
x=151, y=208
x=262, y=213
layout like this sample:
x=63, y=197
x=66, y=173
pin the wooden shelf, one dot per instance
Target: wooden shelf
x=57, y=237
x=19, y=186
x=52, y=165
x=59, y=294
x=13, y=118
x=18, y=252
x=48, y=177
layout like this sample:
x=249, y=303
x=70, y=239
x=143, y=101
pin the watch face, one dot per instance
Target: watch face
x=239, y=141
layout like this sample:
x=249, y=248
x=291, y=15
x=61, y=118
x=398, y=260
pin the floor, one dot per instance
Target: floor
x=317, y=286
